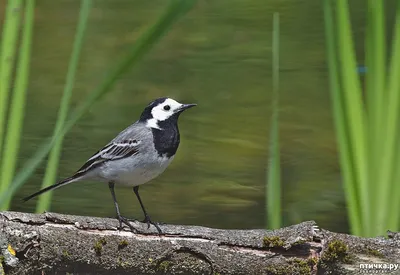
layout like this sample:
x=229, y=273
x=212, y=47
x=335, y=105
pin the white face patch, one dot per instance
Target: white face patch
x=162, y=112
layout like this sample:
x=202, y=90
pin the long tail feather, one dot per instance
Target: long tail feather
x=52, y=187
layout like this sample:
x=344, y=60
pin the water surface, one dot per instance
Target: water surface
x=218, y=56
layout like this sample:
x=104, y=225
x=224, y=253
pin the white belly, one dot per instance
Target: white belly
x=131, y=172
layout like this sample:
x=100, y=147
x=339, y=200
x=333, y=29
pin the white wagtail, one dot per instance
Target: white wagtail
x=137, y=155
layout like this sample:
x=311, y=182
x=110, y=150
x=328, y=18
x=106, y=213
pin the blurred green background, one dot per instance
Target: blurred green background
x=218, y=56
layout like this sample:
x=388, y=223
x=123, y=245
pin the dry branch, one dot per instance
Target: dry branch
x=53, y=243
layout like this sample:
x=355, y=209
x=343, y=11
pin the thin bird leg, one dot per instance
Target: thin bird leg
x=146, y=216
x=121, y=219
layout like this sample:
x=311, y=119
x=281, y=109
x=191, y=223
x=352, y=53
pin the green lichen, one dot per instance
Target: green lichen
x=1, y=258
x=299, y=242
x=98, y=246
x=217, y=273
x=337, y=251
x=164, y=265
x=273, y=241
x=374, y=252
x=122, y=244
x=303, y=266
x=122, y=263
x=313, y=261
x=65, y=254
x=295, y=266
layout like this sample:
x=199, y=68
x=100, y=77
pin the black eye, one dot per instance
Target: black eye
x=167, y=107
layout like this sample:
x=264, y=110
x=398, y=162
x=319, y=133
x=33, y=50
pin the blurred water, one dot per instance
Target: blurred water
x=219, y=56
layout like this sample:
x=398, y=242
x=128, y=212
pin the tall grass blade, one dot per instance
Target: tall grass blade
x=376, y=51
x=391, y=138
x=375, y=86
x=175, y=10
x=354, y=110
x=52, y=163
x=274, y=181
x=7, y=58
x=393, y=190
x=13, y=136
x=342, y=130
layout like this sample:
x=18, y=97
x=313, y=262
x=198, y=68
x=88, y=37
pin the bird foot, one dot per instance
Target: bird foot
x=149, y=221
x=123, y=220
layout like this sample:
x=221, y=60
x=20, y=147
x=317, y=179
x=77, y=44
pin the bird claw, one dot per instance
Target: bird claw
x=123, y=220
x=148, y=221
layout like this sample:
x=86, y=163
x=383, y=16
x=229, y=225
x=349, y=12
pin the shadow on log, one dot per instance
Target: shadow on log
x=53, y=243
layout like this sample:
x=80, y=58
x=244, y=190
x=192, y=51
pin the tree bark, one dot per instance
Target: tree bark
x=53, y=243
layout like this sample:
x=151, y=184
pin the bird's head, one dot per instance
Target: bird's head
x=163, y=110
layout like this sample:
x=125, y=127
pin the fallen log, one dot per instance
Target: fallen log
x=53, y=243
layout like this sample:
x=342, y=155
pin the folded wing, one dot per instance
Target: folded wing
x=112, y=151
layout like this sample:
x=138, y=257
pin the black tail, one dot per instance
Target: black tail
x=51, y=187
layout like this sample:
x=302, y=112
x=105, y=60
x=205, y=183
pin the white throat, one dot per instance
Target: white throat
x=153, y=123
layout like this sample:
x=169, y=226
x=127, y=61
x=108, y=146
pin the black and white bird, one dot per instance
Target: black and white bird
x=137, y=155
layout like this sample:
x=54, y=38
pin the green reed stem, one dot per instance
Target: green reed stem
x=17, y=108
x=8, y=45
x=393, y=189
x=367, y=132
x=273, y=187
x=341, y=125
x=354, y=110
x=375, y=93
x=52, y=163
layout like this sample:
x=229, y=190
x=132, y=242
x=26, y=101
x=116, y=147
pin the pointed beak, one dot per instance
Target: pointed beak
x=186, y=106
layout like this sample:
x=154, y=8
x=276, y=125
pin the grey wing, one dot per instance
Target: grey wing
x=128, y=143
